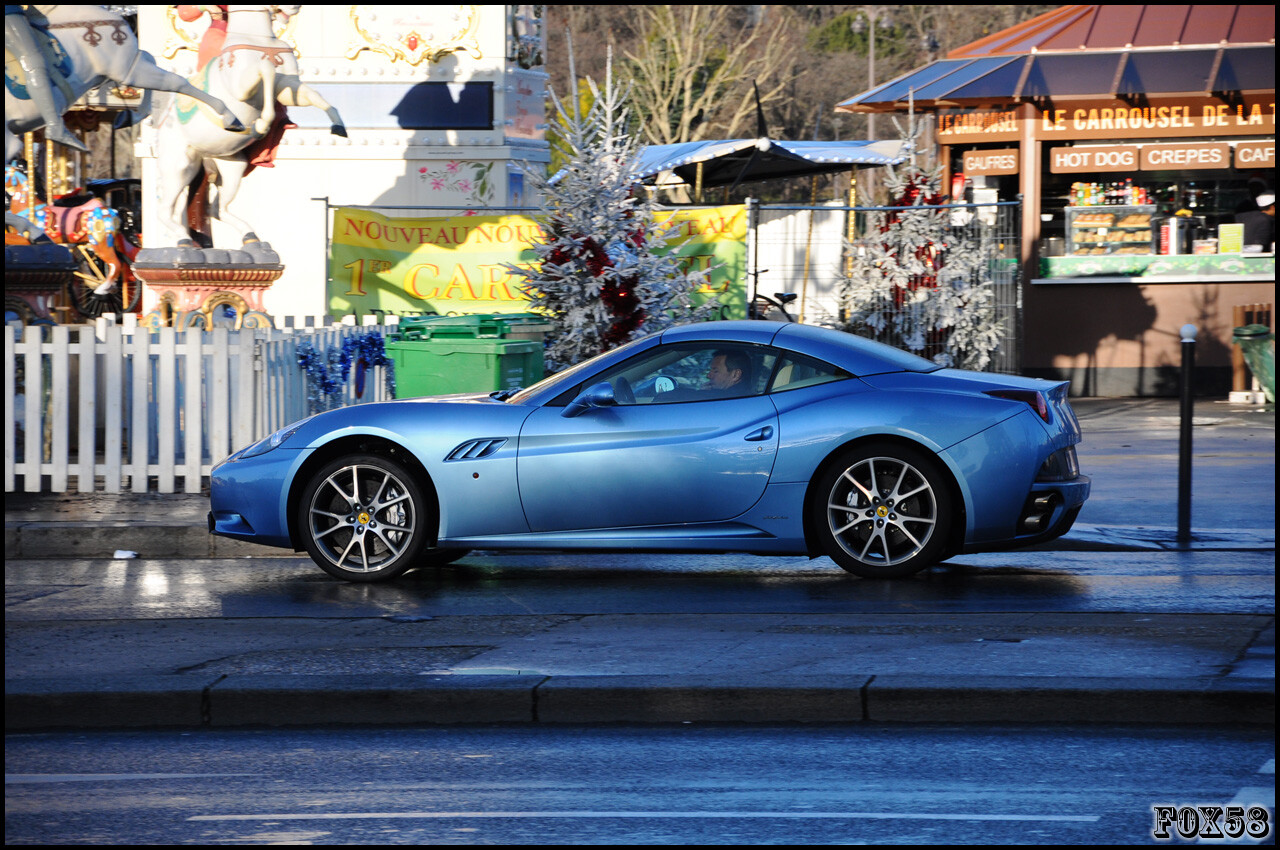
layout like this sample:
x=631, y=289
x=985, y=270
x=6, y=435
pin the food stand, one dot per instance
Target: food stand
x=1134, y=135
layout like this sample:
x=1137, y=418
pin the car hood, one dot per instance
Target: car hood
x=454, y=398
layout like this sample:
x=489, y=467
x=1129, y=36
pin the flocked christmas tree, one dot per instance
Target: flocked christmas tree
x=605, y=273
x=921, y=279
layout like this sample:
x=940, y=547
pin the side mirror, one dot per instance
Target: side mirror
x=599, y=395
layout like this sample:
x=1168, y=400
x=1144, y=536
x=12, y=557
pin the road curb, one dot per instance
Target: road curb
x=55, y=539
x=380, y=700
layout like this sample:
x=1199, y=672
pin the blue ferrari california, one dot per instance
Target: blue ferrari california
x=745, y=436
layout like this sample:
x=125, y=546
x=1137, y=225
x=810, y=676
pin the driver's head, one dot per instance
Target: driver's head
x=728, y=369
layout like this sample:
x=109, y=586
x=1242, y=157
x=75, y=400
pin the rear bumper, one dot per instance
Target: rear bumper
x=1048, y=513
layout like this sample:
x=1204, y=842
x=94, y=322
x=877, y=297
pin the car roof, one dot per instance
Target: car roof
x=854, y=354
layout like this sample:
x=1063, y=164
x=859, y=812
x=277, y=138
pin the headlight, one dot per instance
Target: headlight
x=1062, y=465
x=267, y=444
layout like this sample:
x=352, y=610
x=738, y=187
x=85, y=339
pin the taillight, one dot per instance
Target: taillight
x=1038, y=402
x=1062, y=465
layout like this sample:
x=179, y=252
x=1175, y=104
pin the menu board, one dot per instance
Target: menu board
x=1230, y=238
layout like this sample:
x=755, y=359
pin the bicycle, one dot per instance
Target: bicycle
x=768, y=309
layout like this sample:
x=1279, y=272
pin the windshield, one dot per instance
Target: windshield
x=566, y=377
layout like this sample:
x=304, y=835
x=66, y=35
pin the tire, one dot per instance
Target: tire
x=766, y=309
x=93, y=272
x=364, y=518
x=891, y=530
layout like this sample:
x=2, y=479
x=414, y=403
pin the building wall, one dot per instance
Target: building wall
x=1120, y=337
x=1124, y=339
x=369, y=62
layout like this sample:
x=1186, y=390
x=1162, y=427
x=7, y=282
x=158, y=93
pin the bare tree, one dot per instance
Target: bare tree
x=693, y=69
x=689, y=81
x=593, y=31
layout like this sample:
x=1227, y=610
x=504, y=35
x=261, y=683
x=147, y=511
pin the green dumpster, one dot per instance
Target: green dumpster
x=440, y=355
x=1257, y=344
x=492, y=326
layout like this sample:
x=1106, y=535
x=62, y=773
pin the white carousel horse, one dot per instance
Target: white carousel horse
x=253, y=71
x=101, y=48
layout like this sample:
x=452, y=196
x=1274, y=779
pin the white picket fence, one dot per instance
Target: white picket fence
x=107, y=407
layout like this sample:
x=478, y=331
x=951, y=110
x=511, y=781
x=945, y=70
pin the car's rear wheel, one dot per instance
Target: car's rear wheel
x=883, y=511
x=364, y=518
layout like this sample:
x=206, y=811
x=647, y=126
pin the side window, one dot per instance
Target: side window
x=691, y=372
x=796, y=371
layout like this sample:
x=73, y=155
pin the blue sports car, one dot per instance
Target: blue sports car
x=744, y=436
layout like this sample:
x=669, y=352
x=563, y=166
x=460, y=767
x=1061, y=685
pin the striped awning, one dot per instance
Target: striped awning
x=732, y=161
x=1096, y=51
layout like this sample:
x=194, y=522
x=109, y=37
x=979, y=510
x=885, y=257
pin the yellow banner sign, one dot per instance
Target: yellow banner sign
x=410, y=266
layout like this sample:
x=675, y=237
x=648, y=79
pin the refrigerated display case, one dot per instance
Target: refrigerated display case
x=1118, y=229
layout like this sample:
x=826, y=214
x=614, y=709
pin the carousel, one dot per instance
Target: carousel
x=70, y=242
x=72, y=247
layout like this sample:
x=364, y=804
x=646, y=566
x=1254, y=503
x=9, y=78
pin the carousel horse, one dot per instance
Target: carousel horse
x=99, y=47
x=91, y=230
x=253, y=71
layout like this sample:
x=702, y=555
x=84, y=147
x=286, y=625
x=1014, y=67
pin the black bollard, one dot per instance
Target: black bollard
x=1184, y=438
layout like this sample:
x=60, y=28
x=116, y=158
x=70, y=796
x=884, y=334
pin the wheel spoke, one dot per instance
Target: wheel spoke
x=364, y=551
x=391, y=527
x=902, y=474
x=867, y=494
x=902, y=529
x=842, y=529
x=342, y=559
x=395, y=500
x=871, y=539
x=330, y=530
x=391, y=546
x=900, y=496
x=376, y=499
x=327, y=514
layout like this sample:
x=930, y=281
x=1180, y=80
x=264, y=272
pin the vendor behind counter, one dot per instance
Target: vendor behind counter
x=1259, y=226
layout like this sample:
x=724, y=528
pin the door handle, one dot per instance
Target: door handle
x=760, y=434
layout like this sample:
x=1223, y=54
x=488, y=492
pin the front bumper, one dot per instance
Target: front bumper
x=248, y=498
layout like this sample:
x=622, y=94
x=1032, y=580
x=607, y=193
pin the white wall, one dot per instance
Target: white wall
x=379, y=163
x=802, y=251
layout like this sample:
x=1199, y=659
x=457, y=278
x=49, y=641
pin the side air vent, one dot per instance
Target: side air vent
x=476, y=449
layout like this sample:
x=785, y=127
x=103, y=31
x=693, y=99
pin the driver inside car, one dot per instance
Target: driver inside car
x=729, y=374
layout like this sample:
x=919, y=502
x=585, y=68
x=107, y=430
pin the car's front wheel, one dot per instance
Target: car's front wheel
x=364, y=518
x=883, y=511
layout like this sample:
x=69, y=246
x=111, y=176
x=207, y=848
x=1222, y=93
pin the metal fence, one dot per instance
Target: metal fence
x=802, y=249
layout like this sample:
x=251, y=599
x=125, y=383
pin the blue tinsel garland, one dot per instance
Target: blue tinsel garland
x=328, y=371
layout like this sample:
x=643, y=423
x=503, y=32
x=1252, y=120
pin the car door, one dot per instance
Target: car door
x=665, y=458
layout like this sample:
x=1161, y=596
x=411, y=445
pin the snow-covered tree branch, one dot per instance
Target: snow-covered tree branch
x=604, y=275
